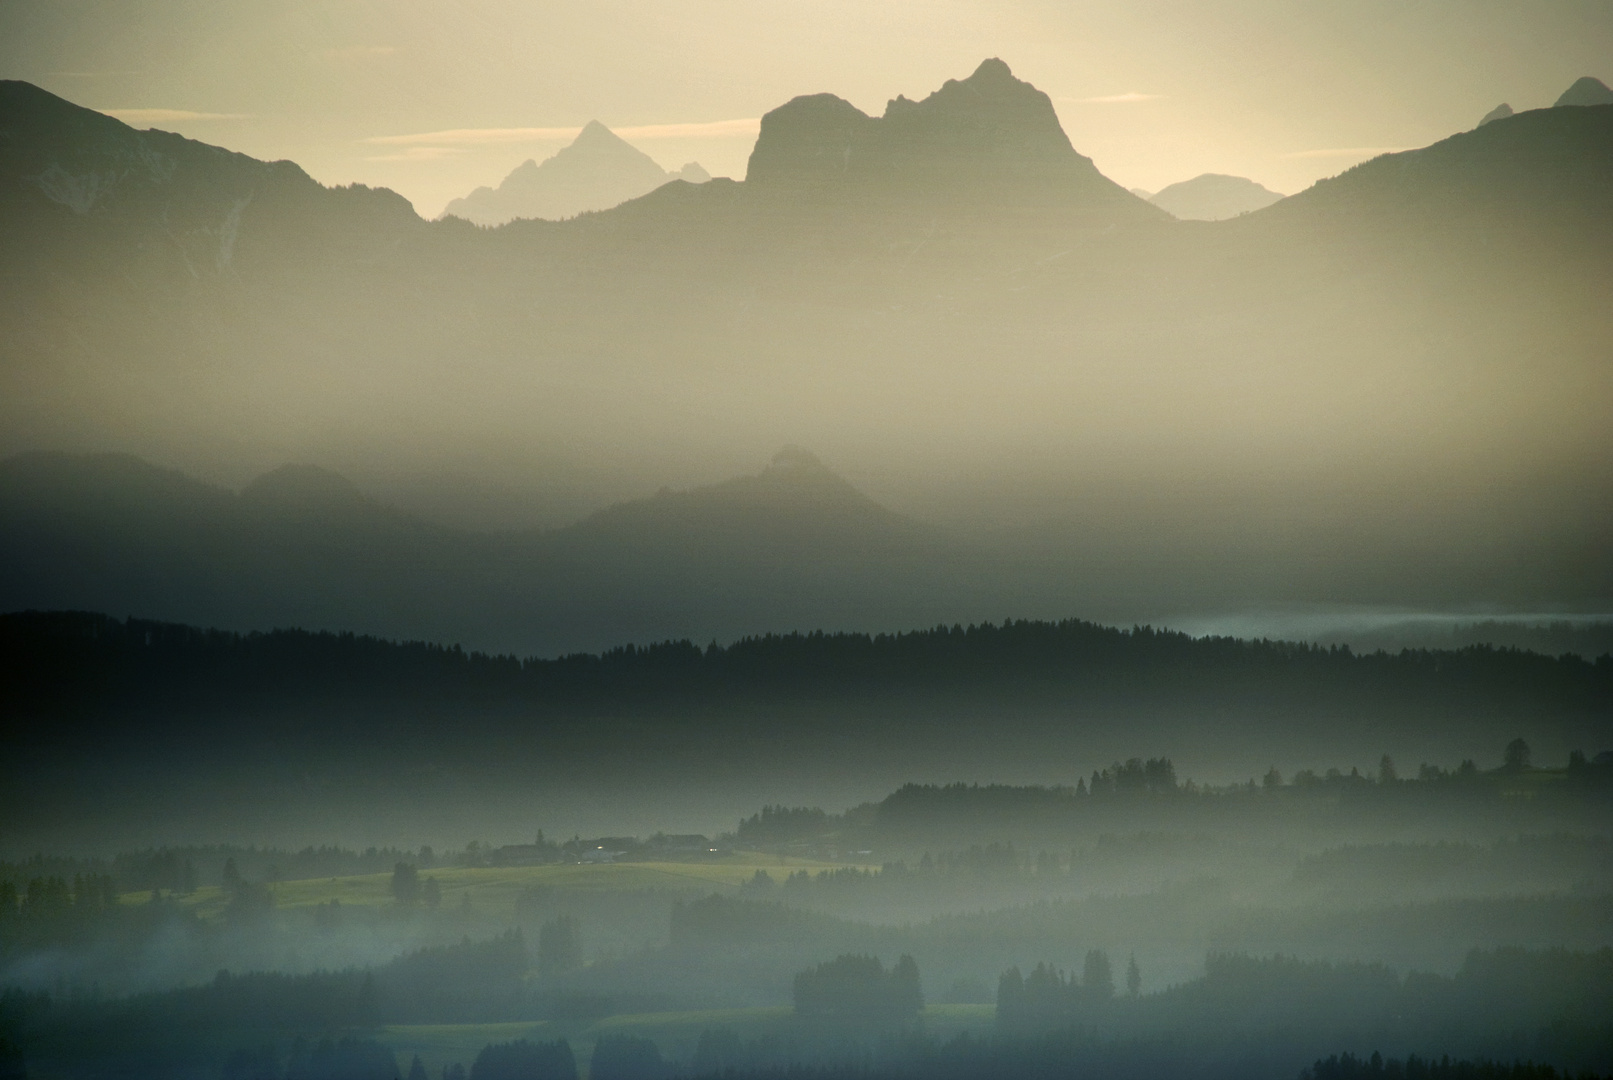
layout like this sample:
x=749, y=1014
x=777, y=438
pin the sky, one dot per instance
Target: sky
x=433, y=98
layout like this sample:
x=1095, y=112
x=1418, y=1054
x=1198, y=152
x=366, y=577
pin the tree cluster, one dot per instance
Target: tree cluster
x=858, y=991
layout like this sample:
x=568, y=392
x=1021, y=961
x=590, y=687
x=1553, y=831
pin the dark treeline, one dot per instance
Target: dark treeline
x=858, y=990
x=1246, y=1016
x=1265, y=1017
x=1120, y=793
x=62, y=662
x=1069, y=1056
x=347, y=1058
x=1350, y=1067
x=480, y=981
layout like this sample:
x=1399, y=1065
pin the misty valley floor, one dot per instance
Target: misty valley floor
x=1134, y=923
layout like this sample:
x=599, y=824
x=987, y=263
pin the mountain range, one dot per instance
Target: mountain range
x=1391, y=385
x=793, y=546
x=597, y=171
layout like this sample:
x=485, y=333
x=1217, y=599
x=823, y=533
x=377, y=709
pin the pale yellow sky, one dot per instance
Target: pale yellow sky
x=434, y=97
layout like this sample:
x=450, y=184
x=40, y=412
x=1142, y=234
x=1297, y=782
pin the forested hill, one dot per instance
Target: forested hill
x=120, y=728
x=75, y=662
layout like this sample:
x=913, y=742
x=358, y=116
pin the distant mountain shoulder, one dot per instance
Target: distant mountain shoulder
x=1213, y=197
x=1586, y=91
x=1541, y=169
x=597, y=171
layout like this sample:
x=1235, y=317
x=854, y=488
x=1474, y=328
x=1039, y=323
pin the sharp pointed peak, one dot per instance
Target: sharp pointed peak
x=595, y=130
x=991, y=69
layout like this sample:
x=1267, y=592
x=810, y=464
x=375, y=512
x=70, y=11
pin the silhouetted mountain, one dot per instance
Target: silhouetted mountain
x=957, y=262
x=1586, y=91
x=1543, y=173
x=170, y=202
x=303, y=490
x=989, y=139
x=795, y=510
x=1500, y=112
x=1213, y=197
x=795, y=545
x=597, y=171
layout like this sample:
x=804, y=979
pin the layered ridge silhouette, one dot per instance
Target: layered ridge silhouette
x=950, y=274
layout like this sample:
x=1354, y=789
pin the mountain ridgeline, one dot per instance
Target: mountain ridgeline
x=794, y=546
x=950, y=274
x=949, y=294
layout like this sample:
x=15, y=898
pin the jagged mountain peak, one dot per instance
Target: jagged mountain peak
x=990, y=140
x=993, y=81
x=1500, y=112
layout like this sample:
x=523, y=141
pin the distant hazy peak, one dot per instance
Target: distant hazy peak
x=1586, y=91
x=594, y=131
x=598, y=170
x=1214, y=197
x=794, y=457
x=300, y=486
x=1500, y=112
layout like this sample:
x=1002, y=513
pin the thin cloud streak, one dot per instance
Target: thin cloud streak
x=716, y=129
x=169, y=116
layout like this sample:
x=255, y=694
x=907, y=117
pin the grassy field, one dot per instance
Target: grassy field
x=676, y=1033
x=494, y=889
